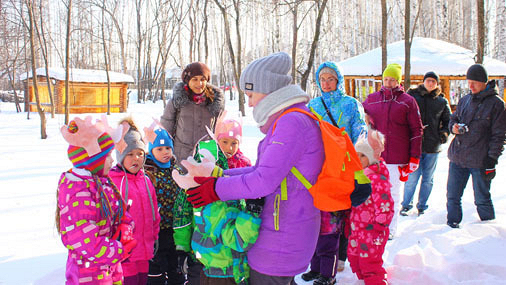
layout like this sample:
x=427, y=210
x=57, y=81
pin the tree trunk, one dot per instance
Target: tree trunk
x=481, y=31
x=239, y=55
x=43, y=43
x=140, y=95
x=407, y=44
x=40, y=110
x=294, y=41
x=305, y=75
x=384, y=34
x=106, y=62
x=67, y=60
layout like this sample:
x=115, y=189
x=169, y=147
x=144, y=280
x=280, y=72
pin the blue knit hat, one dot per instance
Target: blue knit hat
x=162, y=139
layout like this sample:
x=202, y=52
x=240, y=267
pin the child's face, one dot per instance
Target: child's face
x=363, y=159
x=108, y=163
x=162, y=153
x=134, y=160
x=229, y=146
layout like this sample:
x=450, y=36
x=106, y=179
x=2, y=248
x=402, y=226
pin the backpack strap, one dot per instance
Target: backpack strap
x=300, y=177
x=329, y=113
x=294, y=110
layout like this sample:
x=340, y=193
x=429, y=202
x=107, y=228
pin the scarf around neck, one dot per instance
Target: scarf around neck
x=278, y=100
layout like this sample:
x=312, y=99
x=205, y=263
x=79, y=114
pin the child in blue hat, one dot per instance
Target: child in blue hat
x=160, y=162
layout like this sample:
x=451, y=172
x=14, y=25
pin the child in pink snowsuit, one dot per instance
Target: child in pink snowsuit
x=90, y=210
x=139, y=193
x=370, y=220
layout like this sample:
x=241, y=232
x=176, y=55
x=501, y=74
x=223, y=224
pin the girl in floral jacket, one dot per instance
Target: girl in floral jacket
x=369, y=221
x=90, y=211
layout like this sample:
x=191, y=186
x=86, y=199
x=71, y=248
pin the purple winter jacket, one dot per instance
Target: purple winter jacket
x=297, y=142
x=396, y=114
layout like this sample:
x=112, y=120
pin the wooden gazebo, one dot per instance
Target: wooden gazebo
x=87, y=92
x=362, y=73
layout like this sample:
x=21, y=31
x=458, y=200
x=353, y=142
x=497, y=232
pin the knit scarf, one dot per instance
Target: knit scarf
x=278, y=100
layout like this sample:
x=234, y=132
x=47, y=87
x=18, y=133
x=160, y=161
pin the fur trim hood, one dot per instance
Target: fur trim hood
x=180, y=97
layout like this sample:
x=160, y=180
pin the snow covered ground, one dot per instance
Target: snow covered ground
x=425, y=251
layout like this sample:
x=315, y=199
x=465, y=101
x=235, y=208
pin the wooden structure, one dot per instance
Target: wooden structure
x=87, y=91
x=363, y=74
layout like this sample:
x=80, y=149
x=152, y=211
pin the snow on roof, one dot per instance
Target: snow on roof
x=81, y=75
x=426, y=55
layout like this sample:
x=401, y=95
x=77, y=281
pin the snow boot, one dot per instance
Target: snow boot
x=340, y=266
x=325, y=281
x=311, y=275
x=404, y=211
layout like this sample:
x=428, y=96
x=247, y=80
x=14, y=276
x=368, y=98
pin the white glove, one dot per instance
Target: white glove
x=195, y=169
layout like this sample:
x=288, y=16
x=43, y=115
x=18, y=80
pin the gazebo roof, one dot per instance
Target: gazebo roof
x=426, y=55
x=81, y=75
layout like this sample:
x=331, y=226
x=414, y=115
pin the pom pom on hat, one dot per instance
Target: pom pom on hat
x=372, y=146
x=393, y=70
x=477, y=72
x=267, y=74
x=194, y=69
x=89, y=145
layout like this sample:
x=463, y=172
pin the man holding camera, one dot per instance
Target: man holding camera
x=479, y=125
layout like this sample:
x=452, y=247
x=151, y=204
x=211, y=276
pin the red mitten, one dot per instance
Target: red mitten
x=203, y=194
x=405, y=170
x=124, y=233
x=127, y=248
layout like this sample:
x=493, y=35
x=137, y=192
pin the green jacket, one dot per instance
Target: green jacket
x=219, y=233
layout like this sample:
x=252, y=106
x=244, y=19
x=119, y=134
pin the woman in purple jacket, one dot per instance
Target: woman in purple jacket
x=395, y=114
x=290, y=225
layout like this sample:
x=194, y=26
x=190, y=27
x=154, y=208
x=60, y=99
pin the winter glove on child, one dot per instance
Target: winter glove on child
x=255, y=206
x=182, y=262
x=127, y=248
x=203, y=194
x=408, y=168
x=124, y=233
x=205, y=168
x=489, y=172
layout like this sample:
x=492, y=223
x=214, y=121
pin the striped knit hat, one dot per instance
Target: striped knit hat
x=80, y=157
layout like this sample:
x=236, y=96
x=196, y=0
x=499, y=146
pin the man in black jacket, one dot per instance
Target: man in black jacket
x=435, y=113
x=479, y=125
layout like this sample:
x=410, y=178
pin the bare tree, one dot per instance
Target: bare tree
x=408, y=40
x=67, y=60
x=481, y=31
x=316, y=37
x=106, y=62
x=236, y=60
x=140, y=39
x=31, y=32
x=44, y=51
x=384, y=34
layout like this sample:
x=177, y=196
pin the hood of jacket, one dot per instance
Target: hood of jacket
x=181, y=97
x=340, y=80
x=490, y=90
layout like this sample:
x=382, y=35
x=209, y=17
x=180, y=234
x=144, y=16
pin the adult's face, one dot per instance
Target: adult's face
x=254, y=98
x=476, y=86
x=328, y=82
x=197, y=84
x=430, y=84
x=390, y=82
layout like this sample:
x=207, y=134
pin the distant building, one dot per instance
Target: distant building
x=87, y=94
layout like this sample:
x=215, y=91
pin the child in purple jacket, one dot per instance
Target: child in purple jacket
x=90, y=212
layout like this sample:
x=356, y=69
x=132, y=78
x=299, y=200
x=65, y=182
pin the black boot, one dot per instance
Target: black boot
x=311, y=275
x=325, y=281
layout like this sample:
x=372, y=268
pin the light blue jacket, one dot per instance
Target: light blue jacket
x=346, y=111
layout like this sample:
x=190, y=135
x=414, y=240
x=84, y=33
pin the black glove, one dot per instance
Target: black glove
x=255, y=206
x=182, y=261
x=444, y=137
x=489, y=172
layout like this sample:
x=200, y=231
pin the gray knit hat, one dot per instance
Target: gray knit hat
x=328, y=70
x=267, y=74
x=133, y=140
